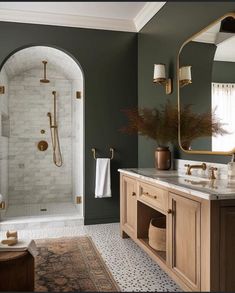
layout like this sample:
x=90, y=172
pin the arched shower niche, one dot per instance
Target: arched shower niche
x=33, y=184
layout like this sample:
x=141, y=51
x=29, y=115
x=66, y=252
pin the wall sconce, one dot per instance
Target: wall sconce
x=185, y=77
x=159, y=77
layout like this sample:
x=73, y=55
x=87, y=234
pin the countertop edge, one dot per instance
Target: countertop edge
x=190, y=191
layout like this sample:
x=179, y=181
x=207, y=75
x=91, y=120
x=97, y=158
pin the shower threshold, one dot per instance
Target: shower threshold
x=28, y=216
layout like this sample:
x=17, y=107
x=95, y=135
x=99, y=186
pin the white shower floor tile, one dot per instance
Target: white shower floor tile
x=44, y=209
x=40, y=216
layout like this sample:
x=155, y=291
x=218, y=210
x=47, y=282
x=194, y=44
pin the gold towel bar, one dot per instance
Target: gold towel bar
x=94, y=153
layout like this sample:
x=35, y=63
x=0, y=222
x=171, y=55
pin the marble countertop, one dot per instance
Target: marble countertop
x=197, y=186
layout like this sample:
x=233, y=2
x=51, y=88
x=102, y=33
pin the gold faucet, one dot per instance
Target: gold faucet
x=189, y=167
x=212, y=172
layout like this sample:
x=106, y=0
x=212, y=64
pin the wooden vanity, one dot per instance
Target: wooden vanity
x=200, y=233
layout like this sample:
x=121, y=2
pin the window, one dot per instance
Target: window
x=223, y=102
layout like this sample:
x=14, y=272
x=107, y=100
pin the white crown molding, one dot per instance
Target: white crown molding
x=146, y=13
x=46, y=18
x=67, y=20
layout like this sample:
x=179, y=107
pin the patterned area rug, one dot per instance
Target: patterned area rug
x=71, y=264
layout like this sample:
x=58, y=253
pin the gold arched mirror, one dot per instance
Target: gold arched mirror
x=206, y=89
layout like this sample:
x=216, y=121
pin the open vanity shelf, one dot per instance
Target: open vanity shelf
x=144, y=215
x=200, y=235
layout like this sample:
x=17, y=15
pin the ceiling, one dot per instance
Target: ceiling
x=32, y=57
x=123, y=16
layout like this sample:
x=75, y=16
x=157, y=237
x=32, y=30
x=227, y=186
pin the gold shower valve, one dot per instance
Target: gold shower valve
x=42, y=145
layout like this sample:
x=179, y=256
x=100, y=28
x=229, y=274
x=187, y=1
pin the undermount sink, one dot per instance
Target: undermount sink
x=194, y=181
x=187, y=178
x=171, y=174
x=197, y=181
x=190, y=178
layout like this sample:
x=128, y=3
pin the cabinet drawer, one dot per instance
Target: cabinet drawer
x=153, y=195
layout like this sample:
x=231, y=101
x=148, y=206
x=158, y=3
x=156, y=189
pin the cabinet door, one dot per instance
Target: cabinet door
x=128, y=206
x=184, y=235
x=227, y=249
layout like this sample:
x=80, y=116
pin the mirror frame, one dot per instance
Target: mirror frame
x=232, y=14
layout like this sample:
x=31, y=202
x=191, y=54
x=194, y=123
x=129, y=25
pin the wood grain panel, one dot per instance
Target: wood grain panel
x=227, y=249
x=128, y=206
x=186, y=239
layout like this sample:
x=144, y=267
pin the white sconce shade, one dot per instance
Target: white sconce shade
x=159, y=77
x=159, y=74
x=185, y=75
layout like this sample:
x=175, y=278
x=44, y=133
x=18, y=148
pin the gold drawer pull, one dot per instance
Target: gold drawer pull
x=133, y=193
x=148, y=194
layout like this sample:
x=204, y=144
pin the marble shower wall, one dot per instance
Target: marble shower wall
x=4, y=133
x=33, y=177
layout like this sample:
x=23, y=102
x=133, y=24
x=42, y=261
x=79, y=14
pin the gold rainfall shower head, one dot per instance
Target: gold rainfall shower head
x=45, y=80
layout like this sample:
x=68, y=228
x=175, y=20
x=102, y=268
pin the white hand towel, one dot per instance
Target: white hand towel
x=102, y=179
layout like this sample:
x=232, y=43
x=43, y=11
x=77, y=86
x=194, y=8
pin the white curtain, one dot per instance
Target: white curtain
x=223, y=101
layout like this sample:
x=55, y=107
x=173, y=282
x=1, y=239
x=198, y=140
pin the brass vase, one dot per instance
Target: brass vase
x=162, y=158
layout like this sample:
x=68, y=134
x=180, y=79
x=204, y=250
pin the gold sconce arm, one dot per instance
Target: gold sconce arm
x=165, y=82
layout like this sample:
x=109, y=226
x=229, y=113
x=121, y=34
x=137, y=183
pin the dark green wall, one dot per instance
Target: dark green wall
x=223, y=72
x=109, y=62
x=159, y=42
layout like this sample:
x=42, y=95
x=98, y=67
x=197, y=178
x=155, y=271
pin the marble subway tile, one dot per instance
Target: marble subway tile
x=39, y=180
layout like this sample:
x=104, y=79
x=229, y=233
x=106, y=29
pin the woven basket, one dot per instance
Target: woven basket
x=157, y=233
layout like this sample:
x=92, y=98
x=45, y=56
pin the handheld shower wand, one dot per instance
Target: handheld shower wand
x=57, y=156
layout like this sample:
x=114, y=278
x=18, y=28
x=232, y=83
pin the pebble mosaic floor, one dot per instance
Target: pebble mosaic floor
x=131, y=267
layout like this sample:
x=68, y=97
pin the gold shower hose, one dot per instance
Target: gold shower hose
x=55, y=137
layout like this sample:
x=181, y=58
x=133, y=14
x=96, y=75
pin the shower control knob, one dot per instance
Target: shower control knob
x=42, y=145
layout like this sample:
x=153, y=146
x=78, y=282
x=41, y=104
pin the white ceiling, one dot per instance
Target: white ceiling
x=31, y=58
x=123, y=16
